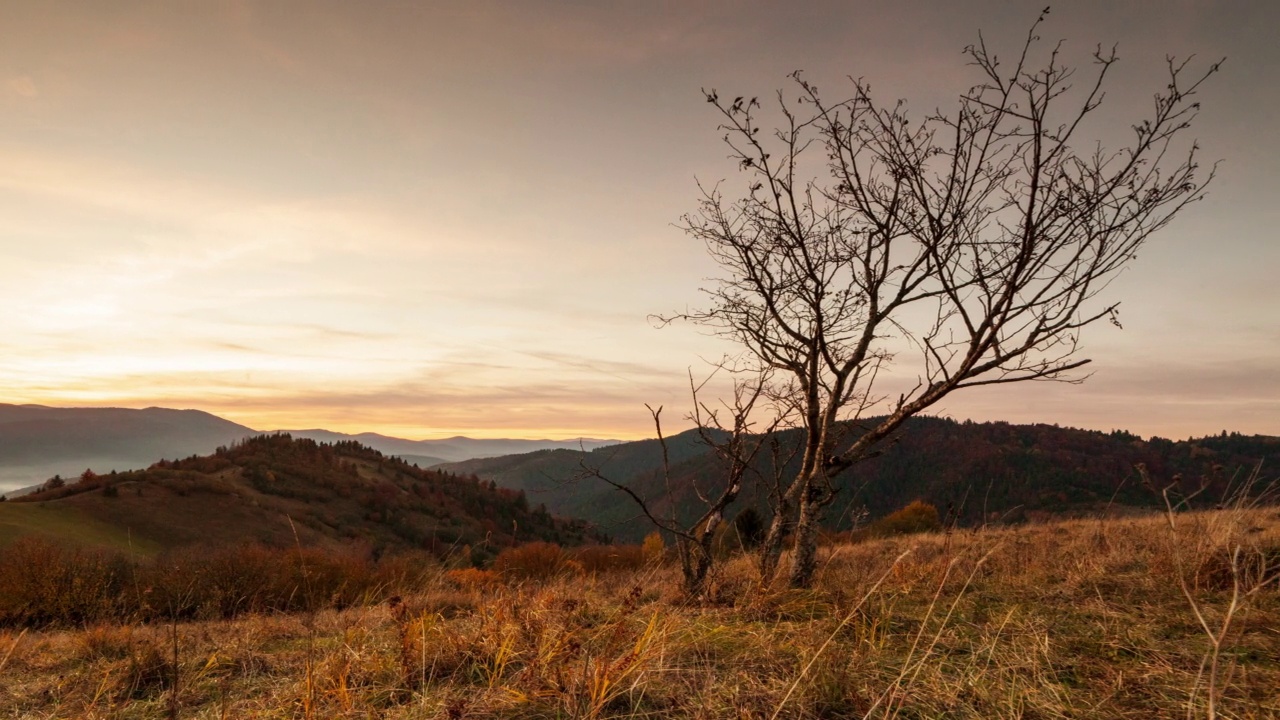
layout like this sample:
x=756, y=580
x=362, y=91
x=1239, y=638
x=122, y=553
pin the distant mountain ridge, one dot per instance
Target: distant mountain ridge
x=38, y=442
x=453, y=449
x=278, y=491
x=972, y=470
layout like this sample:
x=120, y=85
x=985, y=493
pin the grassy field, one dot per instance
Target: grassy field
x=66, y=523
x=1080, y=619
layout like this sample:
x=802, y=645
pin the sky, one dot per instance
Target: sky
x=437, y=218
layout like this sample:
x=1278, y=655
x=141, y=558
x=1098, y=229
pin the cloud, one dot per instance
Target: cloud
x=1169, y=399
x=618, y=369
x=23, y=86
x=459, y=211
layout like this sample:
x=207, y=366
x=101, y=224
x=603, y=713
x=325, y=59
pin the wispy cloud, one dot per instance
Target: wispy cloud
x=456, y=215
x=23, y=86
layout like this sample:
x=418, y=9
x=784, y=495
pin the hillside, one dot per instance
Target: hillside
x=972, y=470
x=39, y=442
x=553, y=476
x=265, y=488
x=454, y=449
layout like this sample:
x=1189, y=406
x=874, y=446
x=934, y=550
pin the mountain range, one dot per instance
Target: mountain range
x=38, y=442
x=973, y=472
x=276, y=490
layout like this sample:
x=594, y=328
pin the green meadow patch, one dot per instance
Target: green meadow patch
x=67, y=524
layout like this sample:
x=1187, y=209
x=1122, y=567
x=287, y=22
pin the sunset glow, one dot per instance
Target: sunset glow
x=437, y=219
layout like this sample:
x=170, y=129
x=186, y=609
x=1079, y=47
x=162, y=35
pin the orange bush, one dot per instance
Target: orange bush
x=531, y=561
x=653, y=548
x=473, y=578
x=918, y=516
x=608, y=558
x=42, y=583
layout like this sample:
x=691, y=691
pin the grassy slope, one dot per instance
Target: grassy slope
x=67, y=523
x=276, y=491
x=1080, y=619
x=156, y=516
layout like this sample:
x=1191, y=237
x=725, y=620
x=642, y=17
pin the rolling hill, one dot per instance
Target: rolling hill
x=974, y=471
x=276, y=490
x=452, y=449
x=38, y=442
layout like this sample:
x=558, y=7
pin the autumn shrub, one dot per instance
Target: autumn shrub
x=472, y=578
x=399, y=572
x=653, y=548
x=531, y=561
x=219, y=583
x=609, y=558
x=42, y=583
x=226, y=582
x=831, y=538
x=917, y=517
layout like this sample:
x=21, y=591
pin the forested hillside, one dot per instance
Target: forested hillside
x=969, y=470
x=267, y=488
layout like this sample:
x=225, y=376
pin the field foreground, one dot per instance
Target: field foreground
x=1082, y=619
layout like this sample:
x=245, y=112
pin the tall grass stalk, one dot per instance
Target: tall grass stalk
x=843, y=622
x=12, y=646
x=1223, y=536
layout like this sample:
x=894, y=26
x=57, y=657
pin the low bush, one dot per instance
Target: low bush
x=532, y=561
x=472, y=578
x=44, y=584
x=609, y=558
x=916, y=517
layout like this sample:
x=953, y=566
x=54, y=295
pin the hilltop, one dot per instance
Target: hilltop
x=277, y=490
x=972, y=471
x=38, y=442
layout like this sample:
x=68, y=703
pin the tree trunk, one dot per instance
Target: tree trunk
x=695, y=581
x=684, y=548
x=804, y=562
x=771, y=546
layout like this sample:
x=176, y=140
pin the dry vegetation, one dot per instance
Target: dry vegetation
x=1074, y=619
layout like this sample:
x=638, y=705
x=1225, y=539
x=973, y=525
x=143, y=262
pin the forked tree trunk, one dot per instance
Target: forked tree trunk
x=804, y=562
x=771, y=546
x=695, y=580
x=695, y=561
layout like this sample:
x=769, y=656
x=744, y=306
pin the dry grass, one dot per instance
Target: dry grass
x=1079, y=619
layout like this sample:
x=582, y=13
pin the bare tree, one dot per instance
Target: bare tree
x=963, y=249
x=727, y=430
